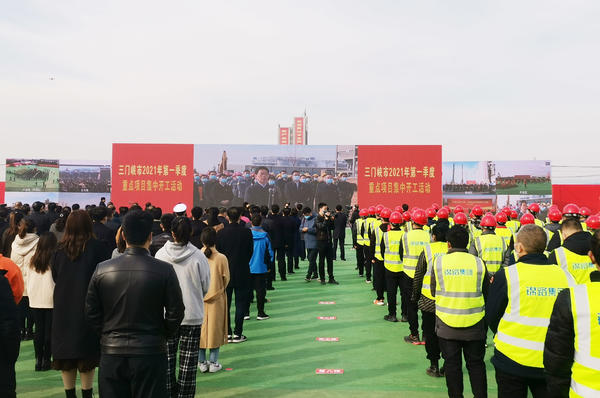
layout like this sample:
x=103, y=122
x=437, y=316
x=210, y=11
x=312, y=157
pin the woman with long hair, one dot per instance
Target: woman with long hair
x=75, y=346
x=41, y=292
x=22, y=250
x=8, y=236
x=213, y=219
x=214, y=326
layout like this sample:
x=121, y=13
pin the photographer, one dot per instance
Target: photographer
x=324, y=226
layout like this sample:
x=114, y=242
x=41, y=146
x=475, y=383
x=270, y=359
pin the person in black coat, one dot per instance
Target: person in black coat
x=295, y=191
x=10, y=338
x=327, y=192
x=102, y=232
x=159, y=240
x=258, y=193
x=324, y=227
x=236, y=243
x=340, y=219
x=39, y=218
x=346, y=190
x=290, y=228
x=277, y=242
x=75, y=346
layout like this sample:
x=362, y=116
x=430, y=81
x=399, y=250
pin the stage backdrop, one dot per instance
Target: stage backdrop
x=395, y=174
x=158, y=173
x=583, y=195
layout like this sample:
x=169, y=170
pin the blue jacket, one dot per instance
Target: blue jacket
x=309, y=237
x=262, y=249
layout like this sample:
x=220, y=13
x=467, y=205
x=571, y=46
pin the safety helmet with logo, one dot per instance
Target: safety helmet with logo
x=501, y=218
x=378, y=209
x=477, y=211
x=593, y=222
x=419, y=217
x=527, y=218
x=554, y=214
x=443, y=213
x=571, y=209
x=506, y=210
x=363, y=212
x=458, y=209
x=435, y=206
x=488, y=221
x=398, y=209
x=460, y=219
x=396, y=218
x=385, y=213
x=534, y=208
x=514, y=215
x=430, y=212
x=372, y=210
x=406, y=216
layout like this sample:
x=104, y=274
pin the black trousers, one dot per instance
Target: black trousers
x=242, y=299
x=393, y=281
x=259, y=285
x=289, y=251
x=510, y=386
x=312, y=263
x=432, y=345
x=280, y=257
x=339, y=240
x=142, y=376
x=43, y=327
x=360, y=259
x=379, y=279
x=302, y=250
x=325, y=253
x=270, y=273
x=368, y=263
x=26, y=317
x=10, y=343
x=412, y=311
x=474, y=352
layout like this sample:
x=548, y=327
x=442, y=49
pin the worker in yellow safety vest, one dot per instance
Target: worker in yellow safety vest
x=553, y=224
x=359, y=243
x=422, y=294
x=394, y=275
x=380, y=227
x=502, y=230
x=459, y=283
x=584, y=214
x=513, y=221
x=572, y=346
x=489, y=247
x=593, y=224
x=534, y=209
x=367, y=242
x=569, y=211
x=572, y=256
x=413, y=244
x=518, y=313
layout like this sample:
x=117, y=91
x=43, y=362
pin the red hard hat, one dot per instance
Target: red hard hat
x=378, y=209
x=477, y=211
x=571, y=209
x=398, y=209
x=585, y=211
x=506, y=210
x=488, y=221
x=372, y=210
x=553, y=207
x=513, y=214
x=458, y=209
x=385, y=213
x=460, y=219
x=435, y=206
x=527, y=218
x=534, y=207
x=419, y=217
x=442, y=213
x=501, y=218
x=363, y=212
x=430, y=212
x=396, y=217
x=554, y=214
x=593, y=222
x=406, y=216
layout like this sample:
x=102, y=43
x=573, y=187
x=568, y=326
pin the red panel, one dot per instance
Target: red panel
x=284, y=136
x=2, y=189
x=395, y=174
x=582, y=195
x=158, y=173
x=299, y=131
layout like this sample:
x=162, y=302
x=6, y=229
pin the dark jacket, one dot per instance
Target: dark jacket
x=236, y=243
x=290, y=228
x=327, y=193
x=494, y=311
x=579, y=243
x=296, y=192
x=72, y=336
x=346, y=190
x=257, y=195
x=340, y=219
x=159, y=241
x=105, y=235
x=10, y=331
x=277, y=231
x=134, y=303
x=41, y=221
x=424, y=303
x=559, y=348
x=324, y=227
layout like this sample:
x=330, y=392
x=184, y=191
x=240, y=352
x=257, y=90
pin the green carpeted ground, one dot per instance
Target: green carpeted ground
x=281, y=354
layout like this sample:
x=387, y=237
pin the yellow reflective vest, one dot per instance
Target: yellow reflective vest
x=368, y=229
x=513, y=225
x=360, y=224
x=458, y=293
x=505, y=233
x=491, y=249
x=578, y=265
x=414, y=243
x=585, y=306
x=378, y=237
x=532, y=291
x=391, y=256
x=432, y=251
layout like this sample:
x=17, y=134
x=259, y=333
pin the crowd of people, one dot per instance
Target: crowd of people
x=83, y=181
x=135, y=291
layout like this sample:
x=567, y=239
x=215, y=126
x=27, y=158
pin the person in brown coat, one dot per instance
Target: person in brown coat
x=214, y=326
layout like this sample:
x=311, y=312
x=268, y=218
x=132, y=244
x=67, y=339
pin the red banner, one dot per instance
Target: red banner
x=395, y=174
x=284, y=136
x=158, y=173
x=582, y=195
x=2, y=189
x=299, y=130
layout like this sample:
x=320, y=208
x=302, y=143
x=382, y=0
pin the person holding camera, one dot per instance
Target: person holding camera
x=324, y=225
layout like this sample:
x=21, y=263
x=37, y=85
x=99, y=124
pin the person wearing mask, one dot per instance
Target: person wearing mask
x=236, y=243
x=101, y=231
x=324, y=228
x=223, y=194
x=309, y=236
x=295, y=190
x=518, y=312
x=10, y=338
x=39, y=218
x=346, y=189
x=327, y=192
x=159, y=240
x=572, y=255
x=211, y=187
x=261, y=255
x=275, y=194
x=572, y=341
x=193, y=274
x=459, y=283
x=258, y=193
x=75, y=345
x=23, y=248
x=41, y=293
x=134, y=302
x=214, y=326
x=340, y=220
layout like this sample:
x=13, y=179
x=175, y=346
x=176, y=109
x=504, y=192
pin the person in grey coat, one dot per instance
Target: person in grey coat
x=309, y=236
